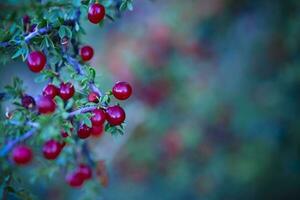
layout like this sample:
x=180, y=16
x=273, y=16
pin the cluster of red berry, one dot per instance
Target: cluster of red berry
x=45, y=104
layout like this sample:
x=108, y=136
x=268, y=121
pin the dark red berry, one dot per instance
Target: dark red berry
x=66, y=91
x=26, y=19
x=86, y=53
x=96, y=13
x=115, y=115
x=51, y=91
x=64, y=134
x=98, y=117
x=45, y=105
x=93, y=97
x=97, y=131
x=122, y=90
x=51, y=149
x=28, y=101
x=36, y=61
x=22, y=155
x=84, y=131
x=85, y=171
x=74, y=179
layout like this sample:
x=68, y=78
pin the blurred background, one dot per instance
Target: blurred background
x=214, y=113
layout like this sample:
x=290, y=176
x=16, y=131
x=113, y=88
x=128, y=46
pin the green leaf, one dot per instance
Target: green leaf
x=64, y=31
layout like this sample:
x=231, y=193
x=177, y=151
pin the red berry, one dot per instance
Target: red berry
x=51, y=149
x=74, y=179
x=93, y=97
x=122, y=90
x=97, y=131
x=36, y=61
x=66, y=91
x=26, y=19
x=84, y=131
x=96, y=13
x=28, y=101
x=86, y=53
x=45, y=105
x=98, y=117
x=85, y=171
x=51, y=91
x=22, y=155
x=64, y=134
x=115, y=115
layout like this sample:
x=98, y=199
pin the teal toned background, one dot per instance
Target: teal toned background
x=215, y=110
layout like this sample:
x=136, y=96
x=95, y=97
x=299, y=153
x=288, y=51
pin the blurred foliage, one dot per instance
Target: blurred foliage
x=220, y=83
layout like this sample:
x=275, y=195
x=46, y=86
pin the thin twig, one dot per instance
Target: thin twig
x=81, y=110
x=78, y=67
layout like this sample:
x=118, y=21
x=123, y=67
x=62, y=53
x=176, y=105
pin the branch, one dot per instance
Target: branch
x=78, y=67
x=12, y=143
x=37, y=32
x=81, y=110
x=30, y=36
x=29, y=123
x=6, y=149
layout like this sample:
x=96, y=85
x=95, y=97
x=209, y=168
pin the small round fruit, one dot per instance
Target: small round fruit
x=85, y=171
x=64, y=134
x=97, y=131
x=93, y=97
x=98, y=117
x=36, y=61
x=74, y=179
x=96, y=13
x=66, y=91
x=122, y=90
x=86, y=53
x=26, y=19
x=28, y=101
x=46, y=105
x=84, y=131
x=51, y=91
x=115, y=115
x=22, y=155
x=51, y=149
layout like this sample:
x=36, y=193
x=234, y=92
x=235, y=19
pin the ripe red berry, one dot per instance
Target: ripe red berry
x=97, y=131
x=51, y=91
x=98, y=117
x=115, y=115
x=122, y=90
x=36, y=61
x=86, y=53
x=26, y=19
x=66, y=91
x=85, y=171
x=74, y=179
x=84, y=131
x=93, y=97
x=22, y=155
x=64, y=134
x=28, y=101
x=51, y=149
x=96, y=13
x=45, y=105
